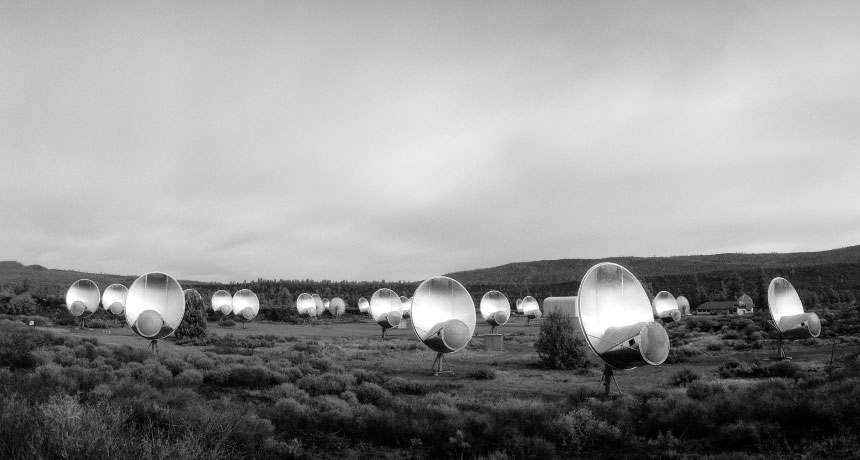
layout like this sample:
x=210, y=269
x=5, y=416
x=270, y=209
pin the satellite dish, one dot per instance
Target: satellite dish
x=443, y=317
x=665, y=307
x=337, y=307
x=386, y=308
x=306, y=305
x=82, y=299
x=746, y=302
x=496, y=309
x=155, y=306
x=787, y=314
x=520, y=306
x=407, y=306
x=683, y=306
x=113, y=299
x=617, y=321
x=363, y=305
x=246, y=305
x=222, y=302
x=326, y=303
x=318, y=304
x=531, y=308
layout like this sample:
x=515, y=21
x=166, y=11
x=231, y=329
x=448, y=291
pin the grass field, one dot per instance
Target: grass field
x=334, y=388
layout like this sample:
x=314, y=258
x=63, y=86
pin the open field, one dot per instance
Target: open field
x=334, y=389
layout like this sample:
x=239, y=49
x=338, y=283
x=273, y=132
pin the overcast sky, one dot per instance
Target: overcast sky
x=400, y=140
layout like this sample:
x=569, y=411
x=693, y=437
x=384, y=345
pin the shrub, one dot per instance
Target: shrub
x=484, y=373
x=368, y=392
x=579, y=429
x=700, y=390
x=683, y=377
x=325, y=384
x=558, y=345
x=399, y=385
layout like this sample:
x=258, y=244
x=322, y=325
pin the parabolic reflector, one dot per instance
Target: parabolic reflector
x=363, y=305
x=155, y=305
x=746, y=302
x=337, y=306
x=443, y=314
x=519, y=304
x=665, y=307
x=113, y=299
x=495, y=308
x=616, y=318
x=318, y=303
x=787, y=312
x=683, y=306
x=386, y=308
x=407, y=306
x=531, y=308
x=326, y=303
x=246, y=305
x=222, y=302
x=82, y=298
x=305, y=305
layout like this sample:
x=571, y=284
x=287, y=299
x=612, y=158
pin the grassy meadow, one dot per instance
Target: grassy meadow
x=333, y=388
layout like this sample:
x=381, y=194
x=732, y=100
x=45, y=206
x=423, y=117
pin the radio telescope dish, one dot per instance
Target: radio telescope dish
x=82, y=299
x=155, y=306
x=113, y=299
x=746, y=302
x=386, y=309
x=617, y=321
x=665, y=307
x=443, y=317
x=246, y=305
x=683, y=306
x=531, y=308
x=496, y=309
x=363, y=305
x=222, y=302
x=407, y=306
x=519, y=306
x=306, y=306
x=326, y=303
x=787, y=313
x=319, y=305
x=337, y=307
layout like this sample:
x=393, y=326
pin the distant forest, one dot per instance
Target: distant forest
x=817, y=284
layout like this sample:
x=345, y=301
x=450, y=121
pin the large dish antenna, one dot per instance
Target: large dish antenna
x=786, y=311
x=319, y=305
x=683, y=306
x=82, y=299
x=155, y=306
x=306, y=305
x=407, y=306
x=337, y=307
x=443, y=317
x=496, y=309
x=222, y=302
x=113, y=299
x=617, y=321
x=746, y=302
x=246, y=305
x=665, y=307
x=363, y=305
x=519, y=305
x=531, y=308
x=386, y=308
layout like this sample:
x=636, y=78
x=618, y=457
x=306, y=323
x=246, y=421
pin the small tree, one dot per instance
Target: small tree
x=558, y=345
x=193, y=325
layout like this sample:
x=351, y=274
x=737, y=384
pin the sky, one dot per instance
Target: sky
x=397, y=140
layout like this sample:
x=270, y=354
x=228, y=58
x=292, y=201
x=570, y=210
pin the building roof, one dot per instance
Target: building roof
x=721, y=305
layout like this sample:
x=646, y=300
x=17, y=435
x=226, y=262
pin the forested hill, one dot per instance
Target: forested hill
x=571, y=270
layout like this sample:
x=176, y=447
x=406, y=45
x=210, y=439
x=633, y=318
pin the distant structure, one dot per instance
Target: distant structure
x=683, y=306
x=563, y=305
x=740, y=307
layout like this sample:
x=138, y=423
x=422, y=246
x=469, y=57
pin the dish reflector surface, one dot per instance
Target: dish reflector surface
x=318, y=304
x=666, y=307
x=617, y=319
x=337, y=306
x=305, y=305
x=530, y=307
x=155, y=305
x=683, y=305
x=787, y=312
x=520, y=306
x=246, y=305
x=363, y=305
x=386, y=308
x=222, y=302
x=495, y=308
x=113, y=299
x=745, y=301
x=82, y=298
x=443, y=314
